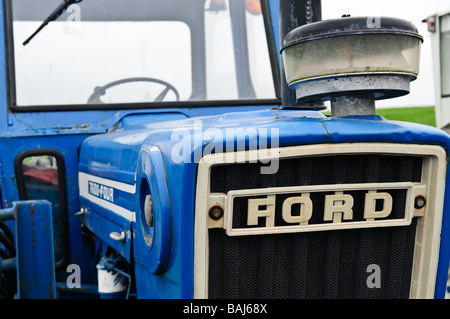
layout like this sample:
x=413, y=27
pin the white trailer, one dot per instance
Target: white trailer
x=439, y=27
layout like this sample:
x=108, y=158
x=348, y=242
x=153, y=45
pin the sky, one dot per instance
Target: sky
x=422, y=89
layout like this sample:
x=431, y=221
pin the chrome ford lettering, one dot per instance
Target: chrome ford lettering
x=337, y=207
x=306, y=206
x=254, y=211
x=370, y=212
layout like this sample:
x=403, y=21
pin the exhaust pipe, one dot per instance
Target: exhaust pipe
x=295, y=13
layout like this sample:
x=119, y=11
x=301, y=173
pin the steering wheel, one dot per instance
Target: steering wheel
x=101, y=90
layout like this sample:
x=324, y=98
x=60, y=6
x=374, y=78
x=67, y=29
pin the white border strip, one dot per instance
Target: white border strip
x=83, y=182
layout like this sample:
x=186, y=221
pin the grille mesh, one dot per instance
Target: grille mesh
x=324, y=170
x=327, y=264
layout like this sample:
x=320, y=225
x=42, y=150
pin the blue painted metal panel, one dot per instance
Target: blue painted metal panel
x=34, y=261
x=102, y=225
x=3, y=73
x=152, y=246
x=35, y=254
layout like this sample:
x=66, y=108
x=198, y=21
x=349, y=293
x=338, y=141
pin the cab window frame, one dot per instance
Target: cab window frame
x=274, y=66
x=62, y=195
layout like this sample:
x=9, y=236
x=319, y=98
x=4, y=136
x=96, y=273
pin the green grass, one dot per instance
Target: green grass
x=420, y=114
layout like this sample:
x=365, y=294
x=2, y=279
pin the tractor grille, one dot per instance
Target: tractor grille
x=331, y=264
x=324, y=264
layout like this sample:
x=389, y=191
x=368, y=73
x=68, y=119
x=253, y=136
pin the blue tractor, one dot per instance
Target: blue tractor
x=179, y=149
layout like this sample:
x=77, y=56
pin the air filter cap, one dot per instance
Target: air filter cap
x=353, y=46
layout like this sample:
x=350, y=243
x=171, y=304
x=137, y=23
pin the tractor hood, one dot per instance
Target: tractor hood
x=114, y=155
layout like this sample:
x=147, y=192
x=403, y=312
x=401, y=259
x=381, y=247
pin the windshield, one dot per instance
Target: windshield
x=140, y=51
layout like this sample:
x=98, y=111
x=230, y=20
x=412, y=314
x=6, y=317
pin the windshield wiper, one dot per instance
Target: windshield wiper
x=52, y=17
